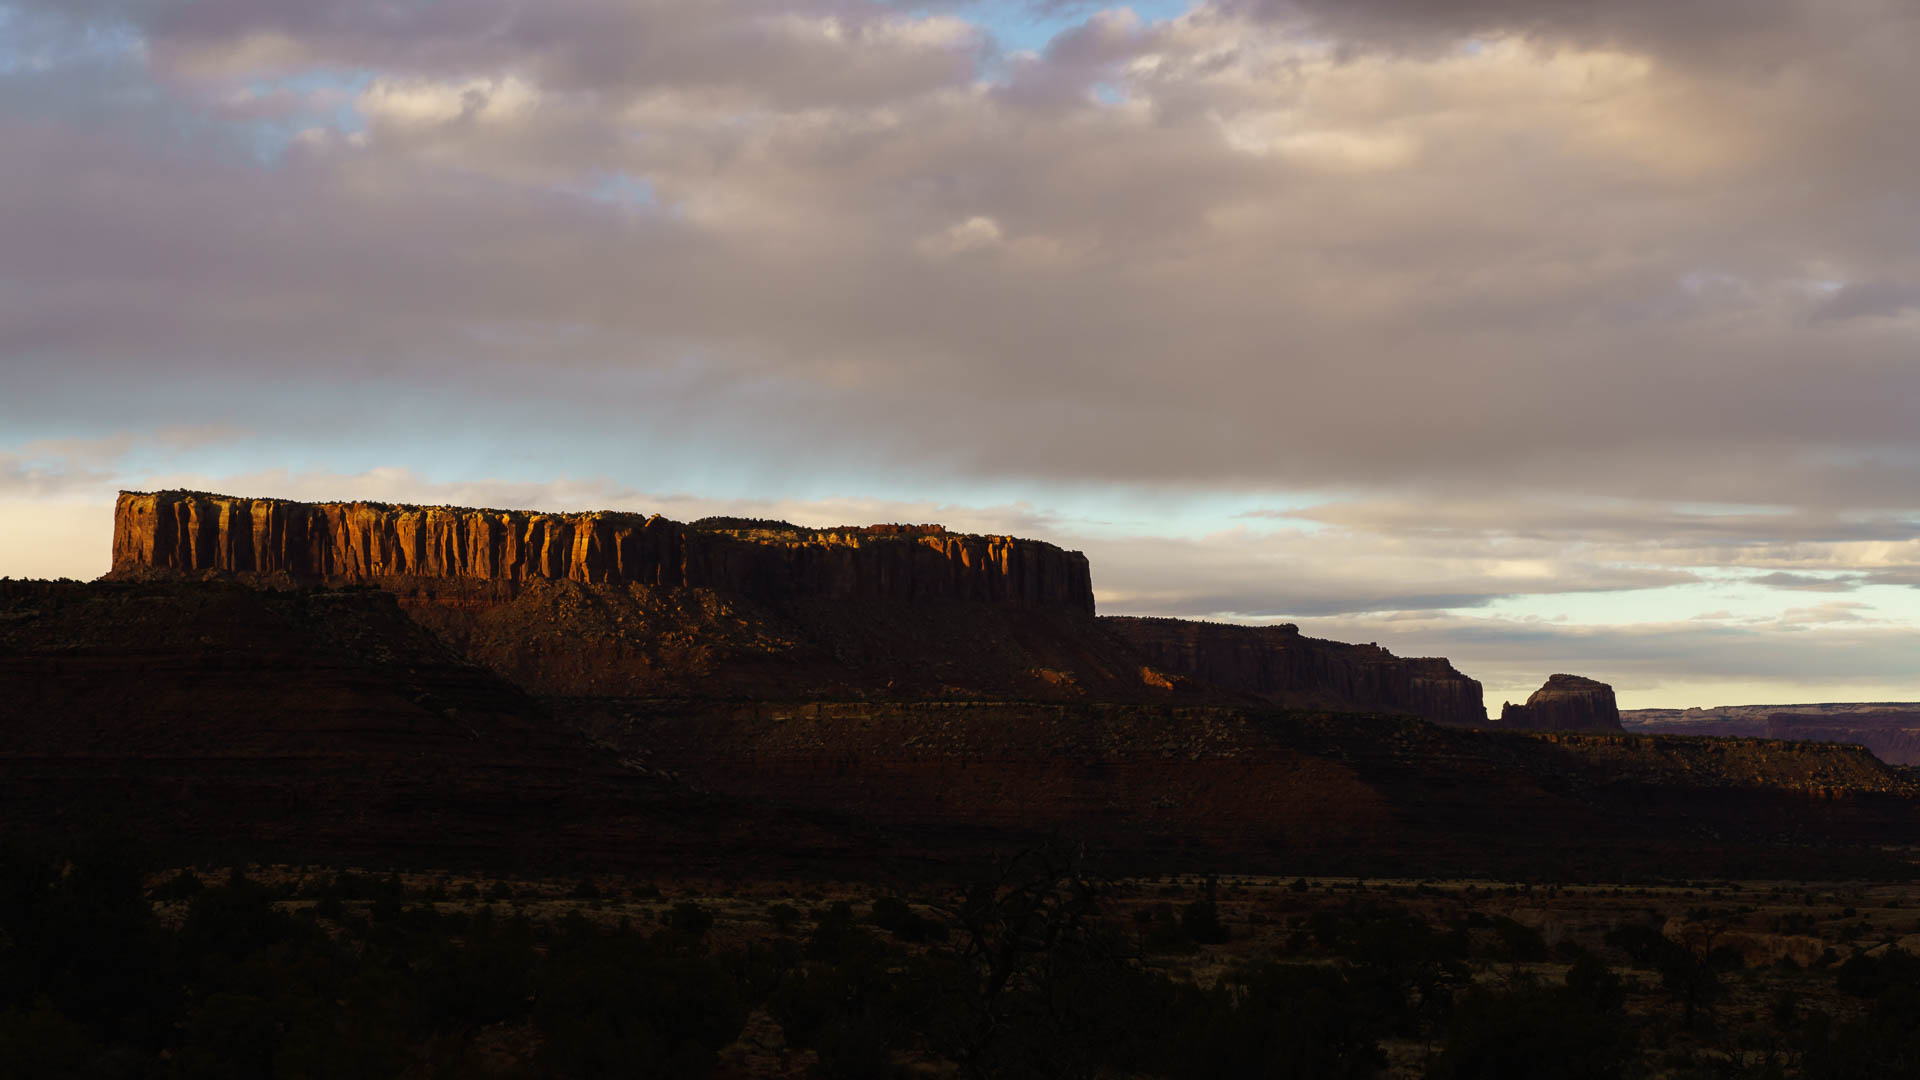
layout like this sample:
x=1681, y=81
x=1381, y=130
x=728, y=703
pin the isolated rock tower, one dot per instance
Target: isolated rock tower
x=1565, y=703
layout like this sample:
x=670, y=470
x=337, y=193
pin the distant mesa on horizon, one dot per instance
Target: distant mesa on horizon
x=1891, y=729
x=730, y=605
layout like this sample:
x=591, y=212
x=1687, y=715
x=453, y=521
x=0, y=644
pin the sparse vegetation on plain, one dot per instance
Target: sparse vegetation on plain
x=1031, y=968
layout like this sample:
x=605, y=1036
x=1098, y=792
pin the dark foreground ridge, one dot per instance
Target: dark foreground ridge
x=325, y=724
x=219, y=720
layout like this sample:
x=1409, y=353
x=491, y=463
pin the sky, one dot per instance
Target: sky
x=1545, y=336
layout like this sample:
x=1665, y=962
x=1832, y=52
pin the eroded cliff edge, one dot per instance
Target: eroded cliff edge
x=497, y=550
x=615, y=604
x=1280, y=665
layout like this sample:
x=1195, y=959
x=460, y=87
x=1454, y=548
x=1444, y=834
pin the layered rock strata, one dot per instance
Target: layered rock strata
x=1280, y=665
x=494, y=551
x=1565, y=703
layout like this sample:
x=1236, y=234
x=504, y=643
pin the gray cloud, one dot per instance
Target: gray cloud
x=1653, y=663
x=1217, y=301
x=1697, y=28
x=803, y=52
x=1251, y=575
x=1569, y=519
x=1781, y=579
x=1866, y=299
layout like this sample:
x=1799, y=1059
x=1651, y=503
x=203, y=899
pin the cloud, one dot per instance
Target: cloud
x=1801, y=618
x=974, y=234
x=1653, y=664
x=1869, y=299
x=1781, y=579
x=1245, y=575
x=1709, y=28
x=1271, y=266
x=1426, y=323
x=802, y=52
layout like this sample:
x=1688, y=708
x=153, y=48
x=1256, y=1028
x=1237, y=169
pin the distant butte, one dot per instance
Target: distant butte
x=1565, y=703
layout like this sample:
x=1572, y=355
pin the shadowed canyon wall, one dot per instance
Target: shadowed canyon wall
x=1280, y=665
x=496, y=550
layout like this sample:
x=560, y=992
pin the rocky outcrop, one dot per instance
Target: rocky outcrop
x=493, y=552
x=1280, y=665
x=1565, y=703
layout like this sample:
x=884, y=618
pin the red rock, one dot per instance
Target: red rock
x=494, y=551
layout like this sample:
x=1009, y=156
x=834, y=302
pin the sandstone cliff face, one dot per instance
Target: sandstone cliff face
x=1279, y=664
x=491, y=552
x=1565, y=703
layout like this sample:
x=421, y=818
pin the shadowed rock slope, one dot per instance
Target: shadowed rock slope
x=1280, y=666
x=1291, y=791
x=324, y=724
x=314, y=724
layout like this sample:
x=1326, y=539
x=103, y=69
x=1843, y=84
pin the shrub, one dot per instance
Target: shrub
x=1593, y=982
x=1201, y=922
x=1534, y=1032
x=689, y=920
x=783, y=917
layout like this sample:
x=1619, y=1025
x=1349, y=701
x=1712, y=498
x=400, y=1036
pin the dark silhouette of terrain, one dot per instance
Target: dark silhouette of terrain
x=319, y=724
x=212, y=716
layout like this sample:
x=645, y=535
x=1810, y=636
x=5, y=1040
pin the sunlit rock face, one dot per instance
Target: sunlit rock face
x=1280, y=665
x=496, y=550
x=1565, y=703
